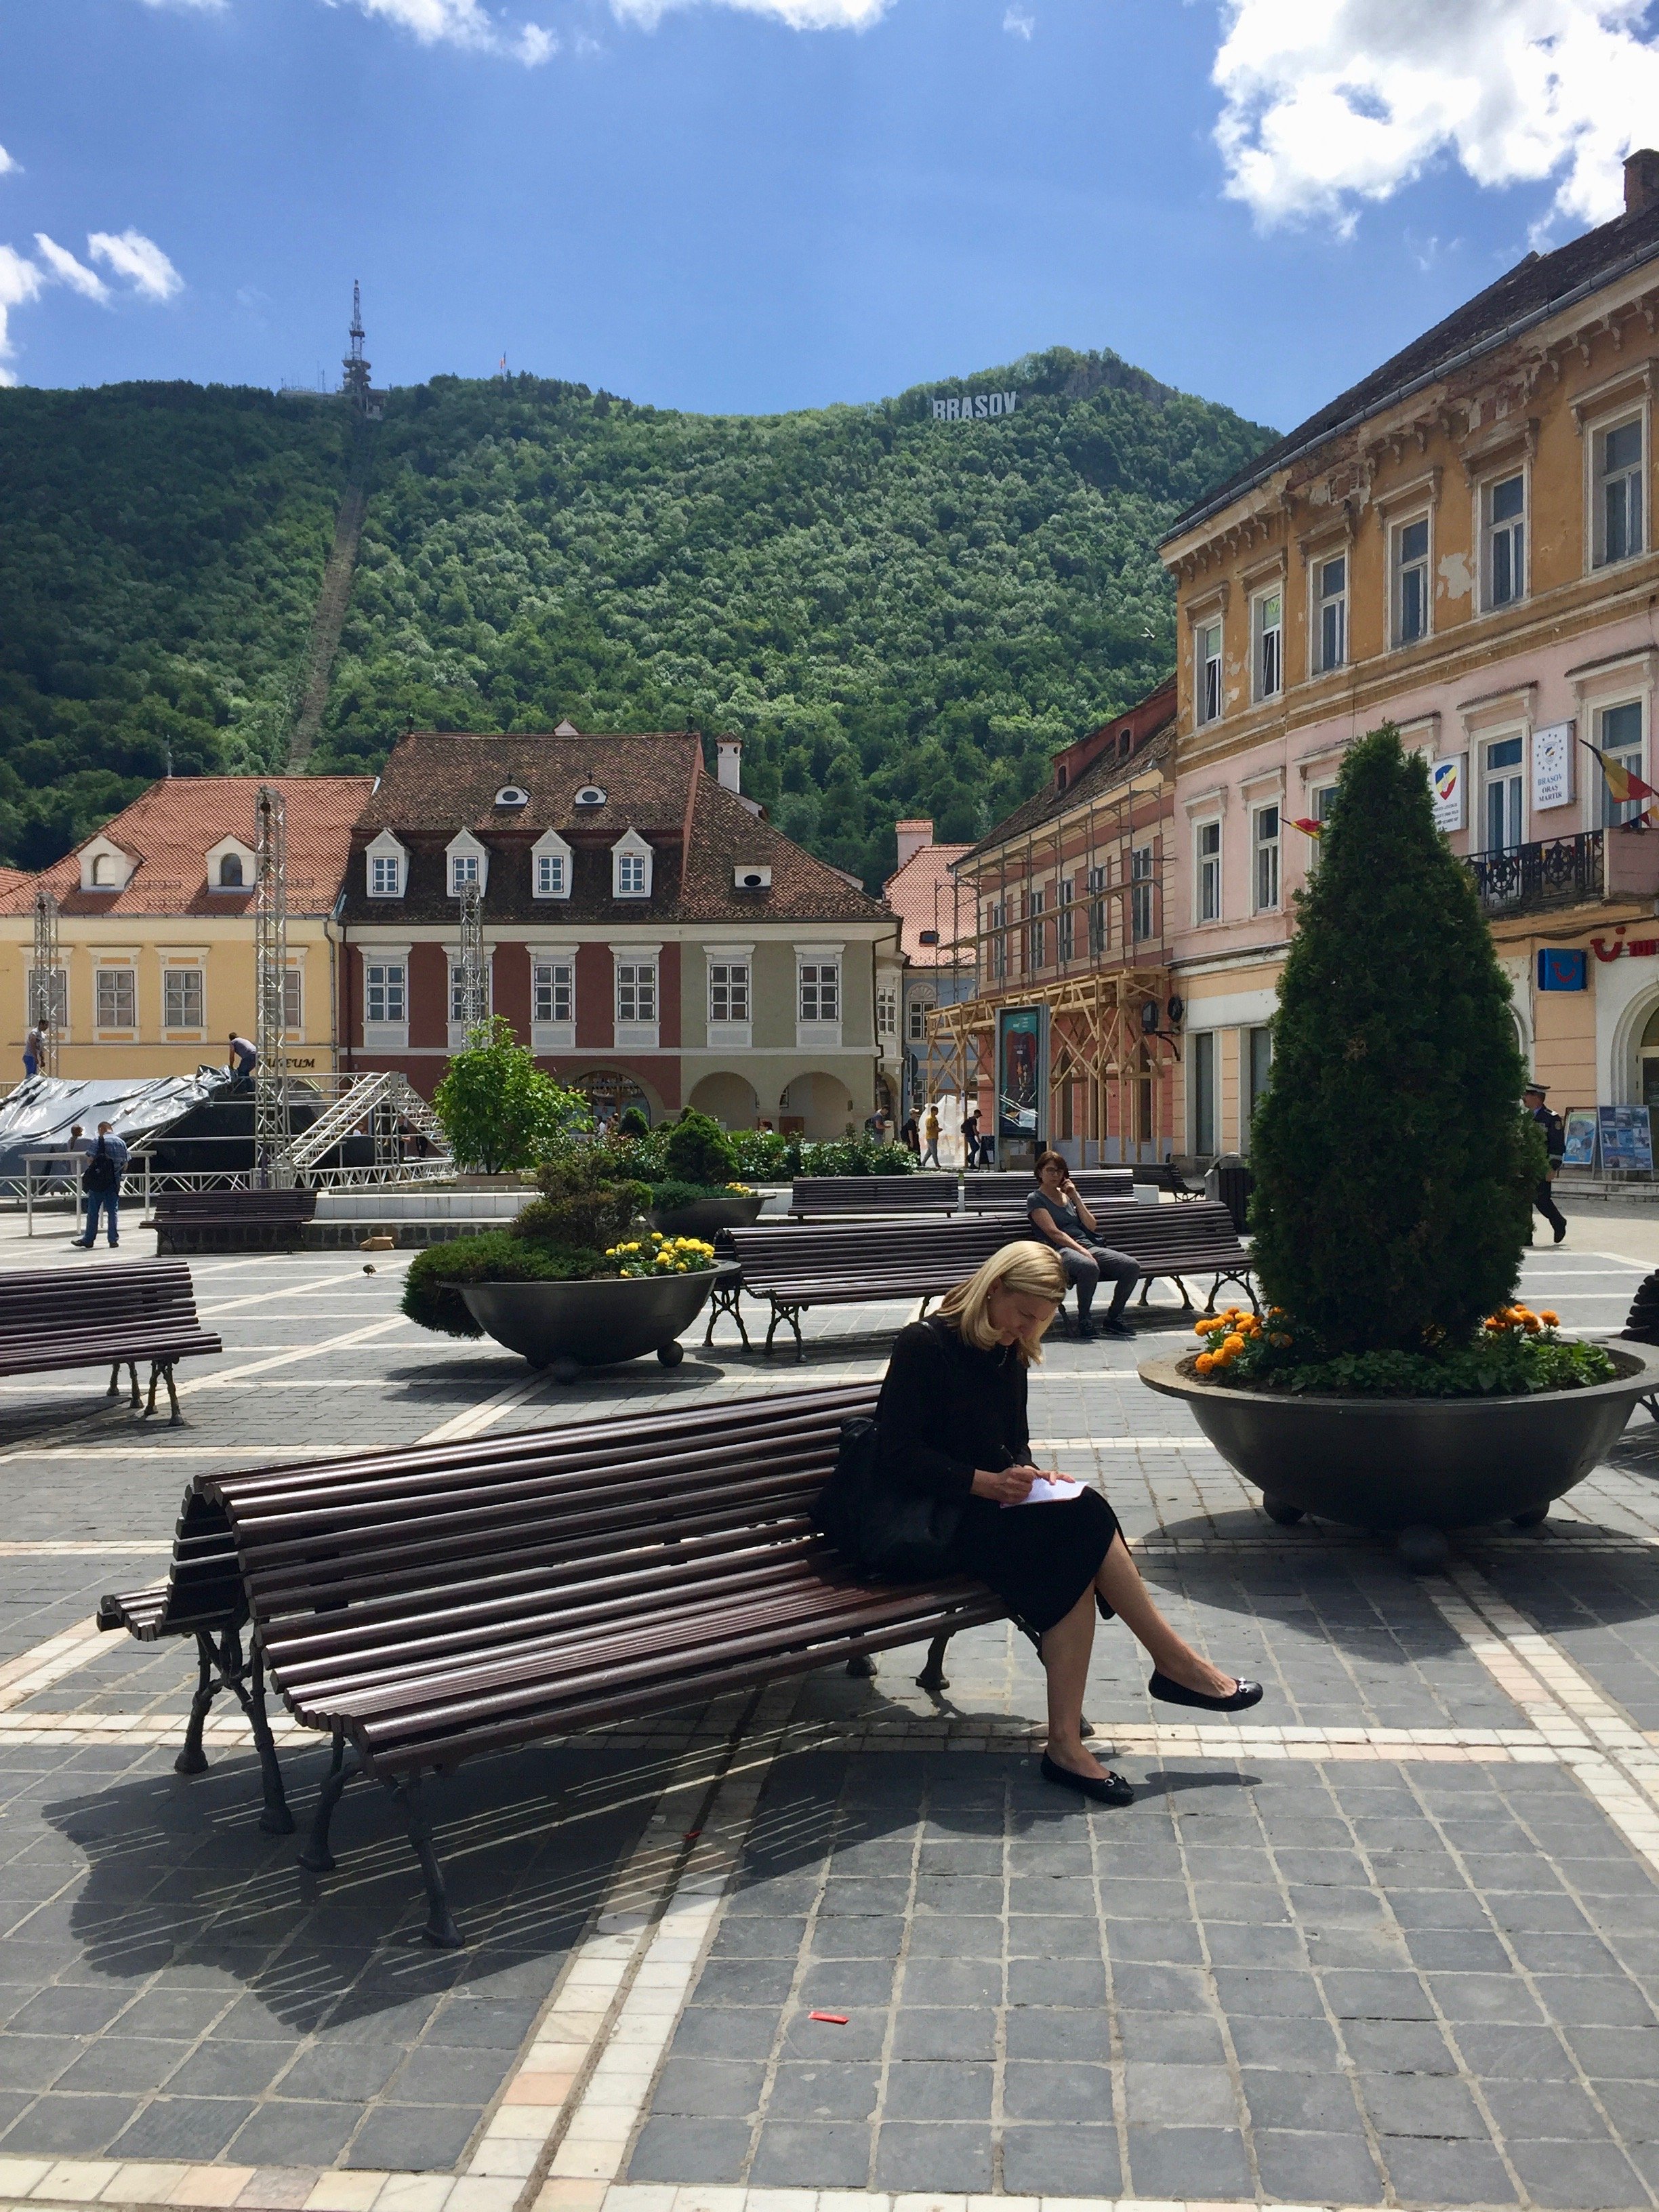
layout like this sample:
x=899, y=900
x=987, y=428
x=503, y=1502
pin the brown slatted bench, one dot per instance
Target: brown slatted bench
x=425, y=1606
x=232, y=1220
x=102, y=1317
x=999, y=1191
x=1198, y=1238
x=828, y=1195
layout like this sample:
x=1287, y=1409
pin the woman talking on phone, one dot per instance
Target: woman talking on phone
x=950, y=1428
x=1060, y=1216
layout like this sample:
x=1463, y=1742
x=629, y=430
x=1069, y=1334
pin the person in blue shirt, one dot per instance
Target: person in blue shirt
x=106, y=1158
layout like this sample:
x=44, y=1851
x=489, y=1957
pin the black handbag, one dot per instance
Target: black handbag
x=884, y=1533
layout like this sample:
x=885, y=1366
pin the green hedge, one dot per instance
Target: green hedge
x=431, y=1296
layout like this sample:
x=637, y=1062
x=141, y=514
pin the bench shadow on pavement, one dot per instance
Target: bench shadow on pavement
x=181, y=1883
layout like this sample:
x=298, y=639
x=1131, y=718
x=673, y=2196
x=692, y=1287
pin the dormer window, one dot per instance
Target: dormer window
x=550, y=866
x=388, y=865
x=230, y=866
x=106, y=867
x=590, y=795
x=105, y=873
x=630, y=867
x=512, y=794
x=466, y=865
x=230, y=871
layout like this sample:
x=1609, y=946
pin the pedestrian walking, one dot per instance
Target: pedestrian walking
x=1534, y=1099
x=242, y=1059
x=34, y=1049
x=970, y=1138
x=106, y=1158
x=930, y=1157
x=910, y=1136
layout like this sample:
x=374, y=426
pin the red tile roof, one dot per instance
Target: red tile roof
x=171, y=829
x=923, y=896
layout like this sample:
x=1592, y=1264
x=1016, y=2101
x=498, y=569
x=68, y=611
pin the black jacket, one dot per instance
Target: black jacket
x=947, y=1409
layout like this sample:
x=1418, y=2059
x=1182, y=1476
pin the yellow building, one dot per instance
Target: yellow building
x=1464, y=544
x=155, y=928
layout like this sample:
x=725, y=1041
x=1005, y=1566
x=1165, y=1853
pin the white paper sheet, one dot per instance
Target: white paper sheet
x=1056, y=1490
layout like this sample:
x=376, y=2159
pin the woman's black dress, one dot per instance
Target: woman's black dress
x=947, y=1409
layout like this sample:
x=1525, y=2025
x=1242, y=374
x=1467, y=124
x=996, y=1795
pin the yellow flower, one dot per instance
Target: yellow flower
x=1233, y=1344
x=1205, y=1362
x=1550, y=1320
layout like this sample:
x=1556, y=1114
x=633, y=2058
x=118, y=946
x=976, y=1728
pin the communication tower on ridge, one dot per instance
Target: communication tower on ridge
x=354, y=382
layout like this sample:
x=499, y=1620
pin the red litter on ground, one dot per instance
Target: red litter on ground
x=834, y=2018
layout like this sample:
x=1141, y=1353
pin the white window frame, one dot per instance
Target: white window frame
x=1610, y=813
x=819, y=981
x=1207, y=887
x=465, y=854
x=552, y=875
x=1321, y=600
x=1267, y=643
x=553, y=1031
x=386, y=848
x=1099, y=886
x=636, y=984
x=886, y=1013
x=1036, y=928
x=1268, y=858
x=95, y=877
x=114, y=969
x=1209, y=700
x=1398, y=571
x=1143, y=875
x=231, y=848
x=389, y=1032
x=1511, y=772
x=631, y=868
x=1515, y=531
x=730, y=1031
x=457, y=1029
x=59, y=1021
x=183, y=969
x=1066, y=925
x=919, y=1005
x=1597, y=433
x=1204, y=1045
x=293, y=1003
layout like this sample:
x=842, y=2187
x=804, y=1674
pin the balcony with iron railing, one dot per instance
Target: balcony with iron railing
x=1563, y=872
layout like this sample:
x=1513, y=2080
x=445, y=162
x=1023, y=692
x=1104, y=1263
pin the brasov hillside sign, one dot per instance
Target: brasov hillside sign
x=976, y=406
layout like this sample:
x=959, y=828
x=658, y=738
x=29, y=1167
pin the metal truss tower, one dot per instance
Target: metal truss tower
x=355, y=382
x=270, y=1127
x=474, y=1008
x=47, y=1010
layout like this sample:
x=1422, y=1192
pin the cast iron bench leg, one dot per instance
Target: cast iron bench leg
x=161, y=1370
x=275, y=1819
x=441, y=1927
x=114, y=1390
x=317, y=1854
x=933, y=1675
x=193, y=1759
x=794, y=1316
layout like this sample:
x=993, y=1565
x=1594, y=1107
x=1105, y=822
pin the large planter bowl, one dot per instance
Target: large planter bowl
x=569, y=1326
x=1414, y=1467
x=704, y=1217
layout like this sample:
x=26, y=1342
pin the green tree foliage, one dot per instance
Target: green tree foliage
x=161, y=547
x=899, y=616
x=499, y=1111
x=698, y=1152
x=1394, y=1169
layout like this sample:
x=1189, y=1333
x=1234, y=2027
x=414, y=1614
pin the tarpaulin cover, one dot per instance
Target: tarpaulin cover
x=40, y=1113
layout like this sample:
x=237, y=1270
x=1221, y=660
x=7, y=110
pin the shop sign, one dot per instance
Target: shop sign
x=1561, y=968
x=1639, y=948
x=1446, y=782
x=1553, y=751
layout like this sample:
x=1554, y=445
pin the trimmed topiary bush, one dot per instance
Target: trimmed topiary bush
x=581, y=1208
x=698, y=1152
x=430, y=1293
x=1394, y=1168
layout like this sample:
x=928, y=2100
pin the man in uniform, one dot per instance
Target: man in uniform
x=1534, y=1099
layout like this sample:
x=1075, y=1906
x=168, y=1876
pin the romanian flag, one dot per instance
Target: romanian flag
x=1308, y=828
x=1623, y=786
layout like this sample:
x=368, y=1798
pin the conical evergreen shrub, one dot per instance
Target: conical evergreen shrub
x=1394, y=1167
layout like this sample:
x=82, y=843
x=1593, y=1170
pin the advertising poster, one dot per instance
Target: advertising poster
x=1579, y=1129
x=1446, y=782
x=1020, y=1072
x=1626, y=1134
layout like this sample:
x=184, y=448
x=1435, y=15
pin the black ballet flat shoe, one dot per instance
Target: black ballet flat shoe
x=1106, y=1788
x=1175, y=1693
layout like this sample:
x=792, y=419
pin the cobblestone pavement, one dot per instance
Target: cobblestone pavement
x=1397, y=1941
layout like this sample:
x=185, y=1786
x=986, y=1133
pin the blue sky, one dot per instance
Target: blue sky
x=755, y=204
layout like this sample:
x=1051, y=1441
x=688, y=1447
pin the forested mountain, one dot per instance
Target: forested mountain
x=901, y=615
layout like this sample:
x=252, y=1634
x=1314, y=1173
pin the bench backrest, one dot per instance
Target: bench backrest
x=896, y=1193
x=1201, y=1227
x=356, y=1569
x=814, y=1252
x=39, y=1304
x=1003, y=1192
x=185, y=1205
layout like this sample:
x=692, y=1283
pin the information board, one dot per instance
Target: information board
x=1020, y=1072
x=1580, y=1130
x=1626, y=1135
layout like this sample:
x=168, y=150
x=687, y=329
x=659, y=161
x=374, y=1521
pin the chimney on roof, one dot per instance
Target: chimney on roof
x=912, y=837
x=728, y=754
x=1641, y=180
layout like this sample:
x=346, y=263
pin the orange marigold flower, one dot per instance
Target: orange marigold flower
x=1233, y=1343
x=1531, y=1324
x=1550, y=1320
x=1205, y=1362
x=1280, y=1340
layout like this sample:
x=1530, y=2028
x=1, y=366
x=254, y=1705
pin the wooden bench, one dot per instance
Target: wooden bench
x=1165, y=1175
x=895, y=1193
x=795, y=1268
x=232, y=1220
x=999, y=1191
x=425, y=1606
x=102, y=1317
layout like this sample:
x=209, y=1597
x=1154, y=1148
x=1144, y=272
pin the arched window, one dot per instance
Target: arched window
x=230, y=871
x=103, y=871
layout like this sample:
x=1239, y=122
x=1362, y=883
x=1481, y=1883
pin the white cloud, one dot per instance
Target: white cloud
x=191, y=7
x=20, y=283
x=67, y=270
x=139, y=259
x=799, y=15
x=534, y=45
x=1326, y=107
x=1019, y=21
x=7, y=165
x=465, y=23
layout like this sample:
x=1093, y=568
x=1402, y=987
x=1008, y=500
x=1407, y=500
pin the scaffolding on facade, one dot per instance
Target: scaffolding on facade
x=270, y=1101
x=1068, y=915
x=47, y=995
